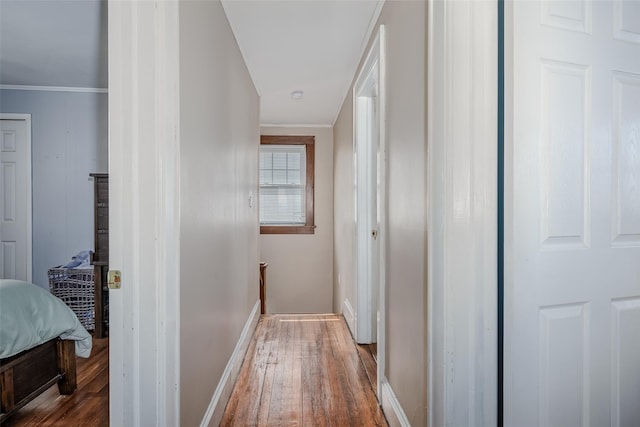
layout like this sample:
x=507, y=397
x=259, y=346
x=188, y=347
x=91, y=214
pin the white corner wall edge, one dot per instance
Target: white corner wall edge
x=462, y=127
x=391, y=406
x=349, y=316
x=144, y=177
x=221, y=395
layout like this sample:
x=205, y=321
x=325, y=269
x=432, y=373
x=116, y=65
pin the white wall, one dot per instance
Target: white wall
x=69, y=141
x=406, y=330
x=300, y=271
x=219, y=138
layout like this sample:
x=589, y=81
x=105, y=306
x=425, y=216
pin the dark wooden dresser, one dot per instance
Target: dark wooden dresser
x=100, y=259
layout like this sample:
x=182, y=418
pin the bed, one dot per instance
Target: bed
x=40, y=338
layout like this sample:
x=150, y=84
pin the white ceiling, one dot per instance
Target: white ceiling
x=313, y=46
x=308, y=45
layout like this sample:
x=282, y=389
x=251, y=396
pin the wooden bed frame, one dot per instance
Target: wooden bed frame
x=25, y=376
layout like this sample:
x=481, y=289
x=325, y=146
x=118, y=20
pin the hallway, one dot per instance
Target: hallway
x=302, y=370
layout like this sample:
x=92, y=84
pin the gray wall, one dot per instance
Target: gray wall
x=406, y=357
x=219, y=265
x=69, y=137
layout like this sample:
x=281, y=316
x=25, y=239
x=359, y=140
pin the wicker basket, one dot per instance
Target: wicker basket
x=76, y=289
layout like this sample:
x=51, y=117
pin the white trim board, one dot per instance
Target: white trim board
x=144, y=213
x=221, y=395
x=370, y=326
x=391, y=406
x=55, y=88
x=349, y=316
x=462, y=166
x=382, y=291
x=367, y=130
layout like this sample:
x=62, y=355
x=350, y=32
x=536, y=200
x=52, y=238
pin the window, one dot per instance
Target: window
x=286, y=184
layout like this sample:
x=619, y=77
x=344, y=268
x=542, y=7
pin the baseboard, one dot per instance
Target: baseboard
x=349, y=316
x=221, y=396
x=391, y=407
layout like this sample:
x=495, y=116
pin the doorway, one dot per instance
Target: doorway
x=15, y=193
x=370, y=203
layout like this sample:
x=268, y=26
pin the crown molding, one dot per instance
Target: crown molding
x=55, y=88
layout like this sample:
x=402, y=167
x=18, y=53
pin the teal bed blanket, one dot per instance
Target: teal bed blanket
x=30, y=316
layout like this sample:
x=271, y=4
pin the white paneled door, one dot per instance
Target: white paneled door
x=572, y=214
x=368, y=97
x=15, y=200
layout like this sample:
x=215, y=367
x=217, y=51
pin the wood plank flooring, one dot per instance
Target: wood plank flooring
x=369, y=356
x=87, y=406
x=302, y=370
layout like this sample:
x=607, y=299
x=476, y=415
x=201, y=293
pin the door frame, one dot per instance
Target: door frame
x=29, y=168
x=144, y=162
x=462, y=212
x=501, y=212
x=374, y=68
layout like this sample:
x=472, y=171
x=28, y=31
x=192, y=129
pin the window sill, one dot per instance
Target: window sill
x=287, y=229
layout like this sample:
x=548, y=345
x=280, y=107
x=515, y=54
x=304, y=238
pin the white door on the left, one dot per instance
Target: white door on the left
x=15, y=200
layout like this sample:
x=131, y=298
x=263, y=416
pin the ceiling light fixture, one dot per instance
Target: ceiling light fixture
x=297, y=94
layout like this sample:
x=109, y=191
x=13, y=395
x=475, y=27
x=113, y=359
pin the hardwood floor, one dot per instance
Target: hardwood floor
x=87, y=406
x=302, y=370
x=369, y=356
